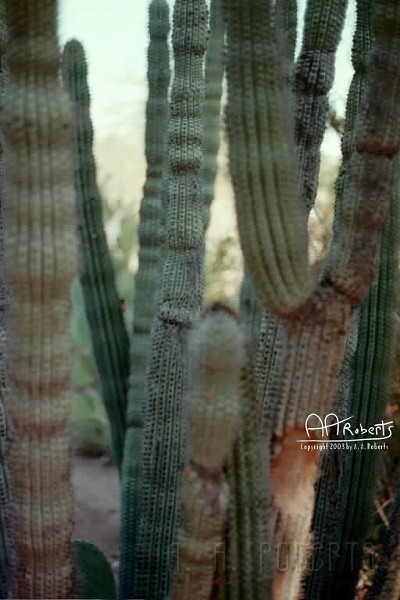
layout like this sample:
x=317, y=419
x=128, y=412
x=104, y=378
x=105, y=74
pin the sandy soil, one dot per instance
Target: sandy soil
x=96, y=487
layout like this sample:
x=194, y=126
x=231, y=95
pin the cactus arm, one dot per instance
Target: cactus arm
x=40, y=244
x=178, y=304
x=262, y=159
x=109, y=337
x=146, y=280
x=216, y=356
x=214, y=70
x=313, y=78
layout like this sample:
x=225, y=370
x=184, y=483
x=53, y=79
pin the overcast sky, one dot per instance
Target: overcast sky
x=114, y=34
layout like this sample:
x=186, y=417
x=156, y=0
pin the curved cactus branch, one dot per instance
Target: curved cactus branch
x=40, y=243
x=262, y=159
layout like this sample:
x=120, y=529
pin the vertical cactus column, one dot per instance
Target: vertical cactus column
x=313, y=78
x=213, y=413
x=40, y=242
x=178, y=304
x=146, y=281
x=5, y=549
x=214, y=70
x=96, y=270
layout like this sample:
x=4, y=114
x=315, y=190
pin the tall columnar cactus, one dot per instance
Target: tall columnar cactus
x=5, y=553
x=329, y=490
x=216, y=354
x=214, y=70
x=146, y=280
x=178, y=304
x=40, y=242
x=370, y=379
x=313, y=78
x=250, y=565
x=312, y=337
x=102, y=304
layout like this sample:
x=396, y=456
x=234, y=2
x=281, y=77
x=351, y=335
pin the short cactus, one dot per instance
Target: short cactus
x=216, y=354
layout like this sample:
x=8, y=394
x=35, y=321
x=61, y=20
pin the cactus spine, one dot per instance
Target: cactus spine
x=216, y=355
x=178, y=304
x=109, y=337
x=40, y=261
x=145, y=282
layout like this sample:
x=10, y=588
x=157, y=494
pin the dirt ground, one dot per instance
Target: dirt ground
x=96, y=488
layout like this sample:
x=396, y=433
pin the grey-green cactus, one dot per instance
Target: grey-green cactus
x=5, y=535
x=213, y=414
x=214, y=70
x=178, y=304
x=146, y=281
x=102, y=304
x=93, y=574
x=39, y=210
x=311, y=338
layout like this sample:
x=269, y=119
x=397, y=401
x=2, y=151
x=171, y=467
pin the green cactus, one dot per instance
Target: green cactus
x=216, y=356
x=40, y=242
x=214, y=70
x=313, y=78
x=145, y=281
x=109, y=337
x=93, y=573
x=178, y=304
x=5, y=535
x=279, y=271
x=310, y=340
x=250, y=565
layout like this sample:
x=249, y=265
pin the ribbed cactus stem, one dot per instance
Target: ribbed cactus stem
x=102, y=304
x=329, y=490
x=250, y=568
x=5, y=537
x=286, y=25
x=146, y=281
x=272, y=227
x=214, y=70
x=216, y=354
x=178, y=304
x=40, y=243
x=313, y=78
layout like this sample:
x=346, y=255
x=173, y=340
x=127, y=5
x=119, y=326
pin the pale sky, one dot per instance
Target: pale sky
x=114, y=35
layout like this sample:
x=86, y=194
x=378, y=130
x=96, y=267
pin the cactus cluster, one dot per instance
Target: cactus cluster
x=206, y=407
